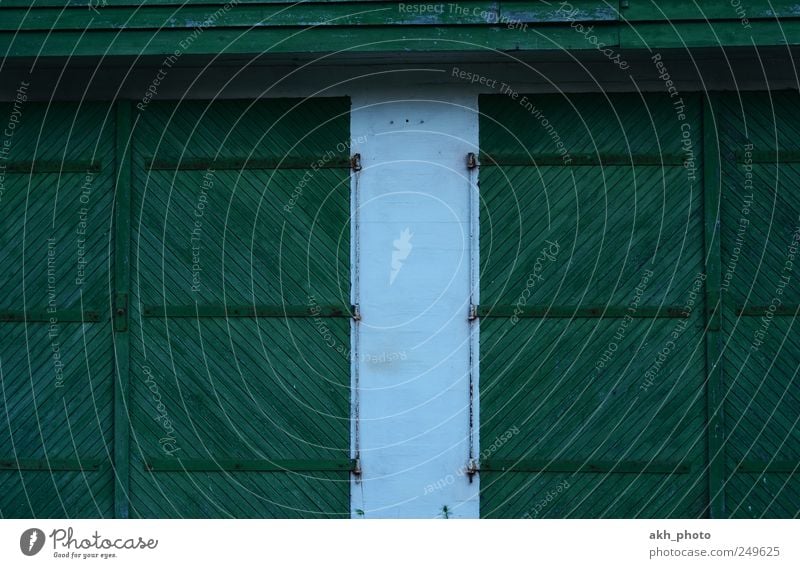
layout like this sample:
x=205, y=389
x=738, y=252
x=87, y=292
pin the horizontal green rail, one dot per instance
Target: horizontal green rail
x=289, y=163
x=575, y=466
x=601, y=159
x=769, y=157
x=751, y=311
x=580, y=312
x=769, y=467
x=272, y=311
x=772, y=467
x=50, y=465
x=228, y=464
x=37, y=316
x=51, y=166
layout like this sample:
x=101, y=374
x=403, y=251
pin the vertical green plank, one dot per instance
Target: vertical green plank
x=122, y=240
x=712, y=187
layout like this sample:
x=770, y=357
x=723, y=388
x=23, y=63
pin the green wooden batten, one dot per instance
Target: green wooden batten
x=712, y=189
x=566, y=312
x=239, y=164
x=784, y=311
x=122, y=262
x=50, y=166
x=232, y=464
x=790, y=467
x=44, y=316
x=23, y=464
x=255, y=311
x=583, y=159
x=589, y=466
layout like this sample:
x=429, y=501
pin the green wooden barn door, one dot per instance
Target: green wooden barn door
x=760, y=156
x=239, y=310
x=56, y=359
x=592, y=364
x=176, y=314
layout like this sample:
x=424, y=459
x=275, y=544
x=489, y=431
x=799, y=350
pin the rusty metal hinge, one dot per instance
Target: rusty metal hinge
x=472, y=161
x=472, y=469
x=357, y=467
x=355, y=162
x=473, y=312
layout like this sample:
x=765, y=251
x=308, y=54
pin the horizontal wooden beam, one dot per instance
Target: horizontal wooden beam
x=753, y=311
x=236, y=164
x=322, y=39
x=107, y=14
x=51, y=166
x=44, y=316
x=713, y=33
x=596, y=311
x=771, y=467
x=239, y=311
x=163, y=27
x=260, y=465
x=769, y=157
x=577, y=466
x=50, y=464
x=680, y=10
x=600, y=159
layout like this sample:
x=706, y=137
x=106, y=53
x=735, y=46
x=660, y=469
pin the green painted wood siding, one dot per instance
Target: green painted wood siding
x=621, y=401
x=56, y=373
x=240, y=390
x=164, y=27
x=760, y=219
x=211, y=374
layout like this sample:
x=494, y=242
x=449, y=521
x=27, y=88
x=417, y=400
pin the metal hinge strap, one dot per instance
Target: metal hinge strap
x=121, y=312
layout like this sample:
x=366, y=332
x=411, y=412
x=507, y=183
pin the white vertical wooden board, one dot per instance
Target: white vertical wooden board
x=413, y=364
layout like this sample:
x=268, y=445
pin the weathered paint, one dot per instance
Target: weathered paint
x=759, y=227
x=714, y=433
x=339, y=76
x=712, y=194
x=168, y=27
x=147, y=381
x=57, y=378
x=255, y=414
x=761, y=463
x=122, y=277
x=597, y=437
x=413, y=196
